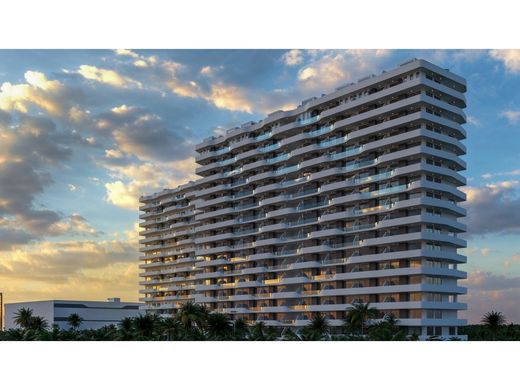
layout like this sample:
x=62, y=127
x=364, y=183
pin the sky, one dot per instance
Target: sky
x=83, y=133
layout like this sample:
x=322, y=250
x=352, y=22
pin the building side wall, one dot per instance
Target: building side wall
x=94, y=314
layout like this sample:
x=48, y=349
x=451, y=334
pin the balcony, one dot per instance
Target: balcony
x=308, y=121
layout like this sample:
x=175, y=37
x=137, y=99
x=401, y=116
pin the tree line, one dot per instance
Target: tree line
x=195, y=322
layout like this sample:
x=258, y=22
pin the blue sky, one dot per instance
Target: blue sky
x=84, y=132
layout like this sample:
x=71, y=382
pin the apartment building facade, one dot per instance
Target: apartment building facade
x=350, y=197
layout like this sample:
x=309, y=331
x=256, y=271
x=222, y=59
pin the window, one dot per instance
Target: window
x=432, y=280
x=433, y=247
x=434, y=330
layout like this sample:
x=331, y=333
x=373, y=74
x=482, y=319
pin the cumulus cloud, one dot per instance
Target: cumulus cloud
x=38, y=91
x=326, y=69
x=107, y=76
x=137, y=179
x=510, y=58
x=204, y=84
x=229, y=97
x=292, y=57
x=511, y=116
x=493, y=208
x=126, y=52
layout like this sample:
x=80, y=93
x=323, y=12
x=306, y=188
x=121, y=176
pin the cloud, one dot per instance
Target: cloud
x=137, y=179
x=292, y=57
x=510, y=58
x=126, y=52
x=11, y=237
x=511, y=116
x=326, y=69
x=38, y=91
x=488, y=291
x=482, y=251
x=488, y=175
x=207, y=87
x=73, y=225
x=71, y=270
x=514, y=259
x=107, y=76
x=493, y=208
x=125, y=196
x=71, y=187
x=474, y=121
x=30, y=148
x=229, y=97
x=139, y=132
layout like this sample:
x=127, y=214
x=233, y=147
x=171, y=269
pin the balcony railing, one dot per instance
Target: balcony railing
x=308, y=121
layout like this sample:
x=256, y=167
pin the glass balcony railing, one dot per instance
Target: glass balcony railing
x=296, y=181
x=286, y=169
x=268, y=148
x=385, y=191
x=360, y=164
x=241, y=194
x=320, y=131
x=370, y=209
x=264, y=136
x=368, y=179
x=347, y=153
x=301, y=222
x=244, y=206
x=355, y=228
x=303, y=193
x=335, y=141
x=278, y=158
x=250, y=218
x=310, y=206
x=234, y=172
x=228, y=161
x=308, y=121
x=222, y=151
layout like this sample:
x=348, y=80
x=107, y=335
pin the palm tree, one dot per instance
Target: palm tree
x=493, y=321
x=39, y=324
x=290, y=335
x=219, y=326
x=193, y=317
x=172, y=329
x=74, y=321
x=386, y=330
x=317, y=329
x=258, y=331
x=23, y=318
x=126, y=328
x=358, y=316
x=240, y=329
x=145, y=325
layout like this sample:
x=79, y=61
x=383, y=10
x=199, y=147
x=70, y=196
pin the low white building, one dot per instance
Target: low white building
x=95, y=314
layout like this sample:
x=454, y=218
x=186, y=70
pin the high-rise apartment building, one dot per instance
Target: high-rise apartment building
x=350, y=197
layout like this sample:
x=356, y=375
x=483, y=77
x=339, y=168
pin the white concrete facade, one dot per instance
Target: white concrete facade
x=352, y=196
x=95, y=314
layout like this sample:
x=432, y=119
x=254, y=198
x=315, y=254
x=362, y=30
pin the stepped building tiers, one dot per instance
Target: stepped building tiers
x=350, y=197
